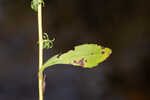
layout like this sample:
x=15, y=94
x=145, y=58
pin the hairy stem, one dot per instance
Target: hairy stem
x=40, y=74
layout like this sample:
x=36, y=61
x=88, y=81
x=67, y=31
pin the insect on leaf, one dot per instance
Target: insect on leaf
x=85, y=55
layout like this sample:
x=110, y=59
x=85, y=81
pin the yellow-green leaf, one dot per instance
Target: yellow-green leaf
x=85, y=55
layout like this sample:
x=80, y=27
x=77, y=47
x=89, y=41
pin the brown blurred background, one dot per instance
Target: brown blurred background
x=123, y=25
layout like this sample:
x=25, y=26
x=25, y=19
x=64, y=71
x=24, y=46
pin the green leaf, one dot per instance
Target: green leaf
x=85, y=55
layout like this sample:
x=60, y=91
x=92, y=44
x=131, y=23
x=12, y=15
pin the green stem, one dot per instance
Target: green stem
x=40, y=77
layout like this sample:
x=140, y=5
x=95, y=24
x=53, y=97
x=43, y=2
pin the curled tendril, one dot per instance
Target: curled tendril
x=47, y=43
x=35, y=3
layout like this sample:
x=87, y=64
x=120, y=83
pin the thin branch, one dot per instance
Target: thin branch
x=40, y=78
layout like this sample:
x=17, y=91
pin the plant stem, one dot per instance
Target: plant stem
x=40, y=74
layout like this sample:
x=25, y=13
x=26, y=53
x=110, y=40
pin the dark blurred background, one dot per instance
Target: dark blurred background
x=123, y=25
